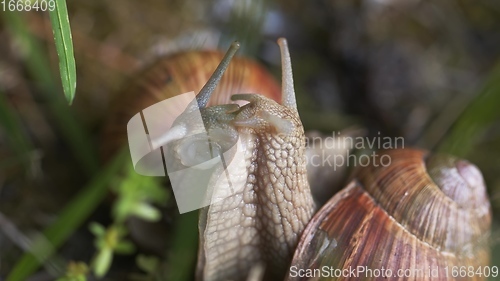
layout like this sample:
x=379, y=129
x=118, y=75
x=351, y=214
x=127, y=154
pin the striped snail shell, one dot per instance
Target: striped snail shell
x=424, y=213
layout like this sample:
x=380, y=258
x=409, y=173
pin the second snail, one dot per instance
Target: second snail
x=423, y=212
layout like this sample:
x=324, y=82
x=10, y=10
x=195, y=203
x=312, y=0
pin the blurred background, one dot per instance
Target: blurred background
x=428, y=71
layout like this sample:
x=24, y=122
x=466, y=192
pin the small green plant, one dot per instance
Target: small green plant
x=107, y=242
x=76, y=271
x=135, y=193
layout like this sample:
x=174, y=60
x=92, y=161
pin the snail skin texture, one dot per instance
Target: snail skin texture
x=422, y=211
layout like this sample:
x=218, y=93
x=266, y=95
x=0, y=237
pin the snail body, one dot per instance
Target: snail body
x=270, y=203
x=421, y=212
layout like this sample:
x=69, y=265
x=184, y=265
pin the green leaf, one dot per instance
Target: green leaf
x=146, y=212
x=147, y=263
x=97, y=229
x=64, y=46
x=124, y=248
x=475, y=119
x=135, y=192
x=102, y=262
x=12, y=127
x=182, y=255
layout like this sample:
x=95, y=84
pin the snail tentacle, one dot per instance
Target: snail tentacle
x=288, y=91
x=207, y=90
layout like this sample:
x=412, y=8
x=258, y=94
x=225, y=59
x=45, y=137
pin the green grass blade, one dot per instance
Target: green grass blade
x=12, y=128
x=476, y=118
x=64, y=46
x=182, y=256
x=73, y=215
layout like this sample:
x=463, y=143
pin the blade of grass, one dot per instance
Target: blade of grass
x=73, y=215
x=12, y=126
x=64, y=46
x=39, y=68
x=476, y=118
x=182, y=256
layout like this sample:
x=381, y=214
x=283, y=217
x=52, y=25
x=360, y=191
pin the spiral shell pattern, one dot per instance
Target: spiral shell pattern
x=422, y=212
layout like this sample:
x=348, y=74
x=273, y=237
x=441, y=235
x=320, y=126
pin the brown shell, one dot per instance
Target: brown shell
x=398, y=217
x=178, y=74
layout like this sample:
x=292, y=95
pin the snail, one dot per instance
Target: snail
x=422, y=211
